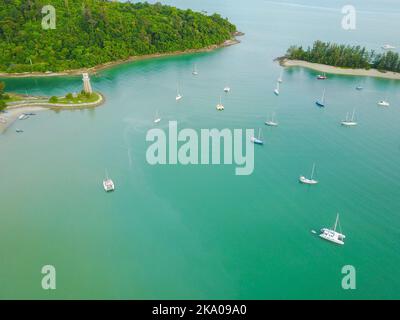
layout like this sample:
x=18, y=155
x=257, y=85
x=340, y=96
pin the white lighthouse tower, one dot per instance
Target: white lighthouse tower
x=86, y=83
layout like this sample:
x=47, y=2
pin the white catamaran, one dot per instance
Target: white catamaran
x=349, y=122
x=108, y=184
x=220, y=106
x=310, y=181
x=333, y=235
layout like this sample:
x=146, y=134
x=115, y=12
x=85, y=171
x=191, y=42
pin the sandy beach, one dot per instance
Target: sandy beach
x=12, y=112
x=11, y=115
x=108, y=65
x=342, y=71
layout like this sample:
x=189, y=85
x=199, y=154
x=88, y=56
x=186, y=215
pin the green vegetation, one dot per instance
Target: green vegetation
x=53, y=99
x=92, y=32
x=82, y=97
x=355, y=57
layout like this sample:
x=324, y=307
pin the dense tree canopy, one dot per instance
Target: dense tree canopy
x=92, y=32
x=355, y=57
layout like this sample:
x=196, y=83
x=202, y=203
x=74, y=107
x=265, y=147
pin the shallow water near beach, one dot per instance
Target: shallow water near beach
x=195, y=232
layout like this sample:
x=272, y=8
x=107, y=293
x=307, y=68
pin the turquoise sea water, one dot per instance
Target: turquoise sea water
x=194, y=232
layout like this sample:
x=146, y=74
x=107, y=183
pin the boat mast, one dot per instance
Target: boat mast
x=352, y=117
x=312, y=172
x=336, y=222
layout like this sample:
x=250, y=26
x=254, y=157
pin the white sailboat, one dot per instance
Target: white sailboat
x=271, y=122
x=321, y=103
x=349, y=122
x=227, y=89
x=310, y=181
x=195, y=72
x=220, y=106
x=383, y=103
x=280, y=79
x=108, y=184
x=178, y=95
x=333, y=235
x=157, y=119
x=276, y=91
x=257, y=140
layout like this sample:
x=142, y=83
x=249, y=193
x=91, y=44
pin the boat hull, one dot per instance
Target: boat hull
x=333, y=240
x=304, y=180
x=348, y=124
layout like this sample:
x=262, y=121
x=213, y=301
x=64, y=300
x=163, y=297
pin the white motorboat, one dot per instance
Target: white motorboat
x=383, y=103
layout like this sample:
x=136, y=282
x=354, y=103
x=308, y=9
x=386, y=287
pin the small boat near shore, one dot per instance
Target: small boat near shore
x=359, y=88
x=19, y=131
x=332, y=235
x=23, y=117
x=322, y=76
x=195, y=72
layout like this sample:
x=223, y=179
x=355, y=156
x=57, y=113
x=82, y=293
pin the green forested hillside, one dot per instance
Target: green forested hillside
x=91, y=32
x=346, y=56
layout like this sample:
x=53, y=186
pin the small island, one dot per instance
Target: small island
x=13, y=106
x=343, y=59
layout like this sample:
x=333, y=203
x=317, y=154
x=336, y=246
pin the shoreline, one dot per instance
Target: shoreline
x=108, y=65
x=14, y=111
x=337, y=70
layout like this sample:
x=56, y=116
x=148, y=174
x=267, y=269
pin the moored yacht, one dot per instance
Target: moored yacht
x=257, y=140
x=108, y=184
x=272, y=122
x=310, y=181
x=383, y=103
x=349, y=122
x=333, y=235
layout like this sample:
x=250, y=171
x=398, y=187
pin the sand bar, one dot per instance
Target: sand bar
x=342, y=71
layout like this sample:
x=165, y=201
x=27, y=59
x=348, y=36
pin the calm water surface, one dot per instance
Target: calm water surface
x=200, y=231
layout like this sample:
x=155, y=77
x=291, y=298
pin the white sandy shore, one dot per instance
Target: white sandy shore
x=14, y=111
x=342, y=71
x=11, y=115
